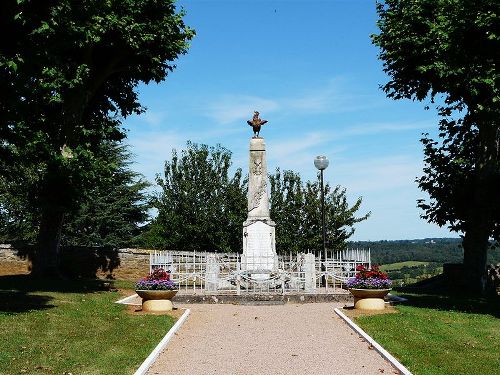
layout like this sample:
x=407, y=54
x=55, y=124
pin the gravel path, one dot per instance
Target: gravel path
x=284, y=339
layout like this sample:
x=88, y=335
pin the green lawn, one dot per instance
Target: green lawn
x=441, y=335
x=399, y=265
x=71, y=327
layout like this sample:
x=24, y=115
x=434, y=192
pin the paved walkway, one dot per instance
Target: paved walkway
x=284, y=339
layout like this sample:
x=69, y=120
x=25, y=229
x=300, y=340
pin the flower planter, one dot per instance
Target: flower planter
x=369, y=299
x=156, y=300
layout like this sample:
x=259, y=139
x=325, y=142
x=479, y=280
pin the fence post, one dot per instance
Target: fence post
x=212, y=273
x=238, y=278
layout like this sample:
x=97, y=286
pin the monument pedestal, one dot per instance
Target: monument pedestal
x=259, y=248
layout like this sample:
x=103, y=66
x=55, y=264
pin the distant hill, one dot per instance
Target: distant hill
x=439, y=250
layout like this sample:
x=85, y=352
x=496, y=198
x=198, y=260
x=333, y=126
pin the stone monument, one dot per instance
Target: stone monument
x=259, y=247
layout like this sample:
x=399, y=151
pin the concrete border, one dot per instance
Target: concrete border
x=161, y=345
x=273, y=299
x=384, y=353
x=124, y=301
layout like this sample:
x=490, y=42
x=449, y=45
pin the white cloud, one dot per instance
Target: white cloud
x=330, y=98
x=375, y=128
x=378, y=174
x=154, y=118
x=151, y=149
x=231, y=108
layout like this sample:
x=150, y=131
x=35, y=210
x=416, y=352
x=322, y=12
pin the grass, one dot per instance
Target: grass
x=441, y=335
x=71, y=328
x=399, y=265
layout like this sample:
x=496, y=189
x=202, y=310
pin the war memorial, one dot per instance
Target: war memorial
x=259, y=270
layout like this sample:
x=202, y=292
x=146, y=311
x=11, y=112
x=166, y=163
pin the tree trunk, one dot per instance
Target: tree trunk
x=45, y=263
x=480, y=223
x=475, y=244
x=53, y=200
x=477, y=232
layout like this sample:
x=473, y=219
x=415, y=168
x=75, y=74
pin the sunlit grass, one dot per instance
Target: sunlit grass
x=82, y=331
x=441, y=335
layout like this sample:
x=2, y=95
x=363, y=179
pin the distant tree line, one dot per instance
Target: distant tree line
x=416, y=272
x=439, y=250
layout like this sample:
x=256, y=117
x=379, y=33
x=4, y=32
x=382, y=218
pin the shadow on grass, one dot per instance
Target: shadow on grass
x=26, y=283
x=438, y=296
x=18, y=302
x=18, y=292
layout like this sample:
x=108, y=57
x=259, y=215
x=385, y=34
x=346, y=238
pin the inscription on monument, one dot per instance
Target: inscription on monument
x=261, y=238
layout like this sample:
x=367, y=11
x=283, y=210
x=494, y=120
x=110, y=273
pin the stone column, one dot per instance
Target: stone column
x=309, y=273
x=259, y=247
x=258, y=200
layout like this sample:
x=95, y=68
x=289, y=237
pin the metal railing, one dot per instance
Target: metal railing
x=233, y=273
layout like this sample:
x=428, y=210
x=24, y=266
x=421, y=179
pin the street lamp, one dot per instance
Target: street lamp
x=321, y=163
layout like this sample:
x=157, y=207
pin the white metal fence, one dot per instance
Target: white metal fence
x=232, y=273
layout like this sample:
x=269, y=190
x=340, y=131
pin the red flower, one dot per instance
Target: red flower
x=372, y=273
x=159, y=275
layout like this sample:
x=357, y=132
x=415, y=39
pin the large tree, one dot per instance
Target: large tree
x=69, y=72
x=201, y=205
x=110, y=213
x=296, y=209
x=448, y=51
x=114, y=209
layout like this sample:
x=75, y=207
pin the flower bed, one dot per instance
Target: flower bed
x=369, y=279
x=159, y=279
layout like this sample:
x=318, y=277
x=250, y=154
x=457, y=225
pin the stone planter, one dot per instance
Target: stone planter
x=369, y=299
x=156, y=300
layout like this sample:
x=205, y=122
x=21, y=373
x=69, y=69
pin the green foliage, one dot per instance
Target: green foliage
x=440, y=47
x=114, y=209
x=18, y=214
x=110, y=212
x=296, y=209
x=68, y=76
x=70, y=73
x=448, y=50
x=200, y=206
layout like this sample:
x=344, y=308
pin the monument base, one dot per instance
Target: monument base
x=259, y=248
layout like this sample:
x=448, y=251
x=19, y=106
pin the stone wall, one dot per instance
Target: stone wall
x=125, y=264
x=11, y=263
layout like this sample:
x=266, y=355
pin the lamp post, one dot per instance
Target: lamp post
x=321, y=163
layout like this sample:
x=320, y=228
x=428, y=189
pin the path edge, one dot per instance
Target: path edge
x=162, y=344
x=384, y=353
x=124, y=301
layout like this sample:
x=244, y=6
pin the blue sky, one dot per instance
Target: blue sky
x=310, y=69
